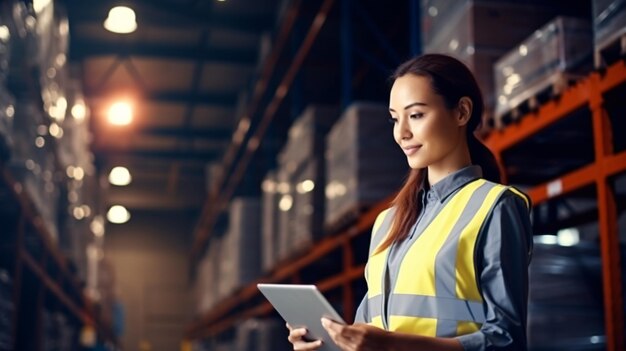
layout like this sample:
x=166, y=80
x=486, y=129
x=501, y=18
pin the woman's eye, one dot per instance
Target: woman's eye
x=392, y=120
x=416, y=115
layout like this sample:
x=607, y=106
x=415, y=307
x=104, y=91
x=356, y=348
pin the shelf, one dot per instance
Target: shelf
x=64, y=286
x=219, y=318
x=246, y=140
x=588, y=93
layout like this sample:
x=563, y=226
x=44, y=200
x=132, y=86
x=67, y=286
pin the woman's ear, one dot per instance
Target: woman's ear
x=465, y=110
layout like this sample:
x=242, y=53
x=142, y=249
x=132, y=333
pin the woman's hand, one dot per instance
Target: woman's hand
x=296, y=338
x=357, y=337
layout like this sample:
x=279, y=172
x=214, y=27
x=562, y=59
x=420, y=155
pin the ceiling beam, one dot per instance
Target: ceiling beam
x=165, y=155
x=169, y=15
x=227, y=100
x=217, y=134
x=82, y=48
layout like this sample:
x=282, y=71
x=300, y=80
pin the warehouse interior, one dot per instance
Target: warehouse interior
x=160, y=158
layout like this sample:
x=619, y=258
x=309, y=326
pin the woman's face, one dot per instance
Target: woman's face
x=427, y=131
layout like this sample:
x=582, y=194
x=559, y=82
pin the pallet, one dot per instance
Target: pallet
x=533, y=97
x=610, y=50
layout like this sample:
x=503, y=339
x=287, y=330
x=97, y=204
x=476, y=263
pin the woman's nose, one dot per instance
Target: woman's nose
x=405, y=131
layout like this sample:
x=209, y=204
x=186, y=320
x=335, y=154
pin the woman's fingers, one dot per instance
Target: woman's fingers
x=296, y=335
x=295, y=338
x=307, y=346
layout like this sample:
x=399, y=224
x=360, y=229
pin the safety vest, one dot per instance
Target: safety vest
x=436, y=291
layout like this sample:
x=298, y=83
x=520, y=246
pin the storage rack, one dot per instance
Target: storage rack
x=589, y=92
x=38, y=270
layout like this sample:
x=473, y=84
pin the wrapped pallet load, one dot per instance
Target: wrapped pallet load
x=465, y=29
x=207, y=280
x=240, y=261
x=33, y=162
x=301, y=178
x=363, y=163
x=609, y=30
x=565, y=309
x=262, y=335
x=269, y=221
x=542, y=65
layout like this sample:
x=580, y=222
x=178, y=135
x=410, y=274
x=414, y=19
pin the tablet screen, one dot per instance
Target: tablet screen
x=303, y=306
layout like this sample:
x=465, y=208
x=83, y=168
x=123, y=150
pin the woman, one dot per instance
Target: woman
x=448, y=264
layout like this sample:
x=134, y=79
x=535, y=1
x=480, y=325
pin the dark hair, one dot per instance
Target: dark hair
x=452, y=80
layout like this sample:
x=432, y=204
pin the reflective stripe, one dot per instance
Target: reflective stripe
x=446, y=328
x=445, y=266
x=520, y=194
x=375, y=306
x=379, y=232
x=436, y=307
x=466, y=283
x=436, y=290
x=423, y=251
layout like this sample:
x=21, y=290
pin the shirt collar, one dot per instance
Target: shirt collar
x=454, y=181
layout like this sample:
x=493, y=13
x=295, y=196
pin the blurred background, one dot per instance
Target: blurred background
x=158, y=158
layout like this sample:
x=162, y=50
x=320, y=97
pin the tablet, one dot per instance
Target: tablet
x=303, y=306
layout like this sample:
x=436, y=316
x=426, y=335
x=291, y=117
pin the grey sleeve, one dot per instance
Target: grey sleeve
x=361, y=315
x=502, y=256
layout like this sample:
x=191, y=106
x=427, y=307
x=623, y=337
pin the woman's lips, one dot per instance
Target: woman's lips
x=410, y=150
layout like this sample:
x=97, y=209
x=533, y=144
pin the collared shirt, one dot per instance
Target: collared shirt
x=502, y=255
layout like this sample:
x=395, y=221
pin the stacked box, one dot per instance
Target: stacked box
x=545, y=59
x=269, y=221
x=565, y=310
x=262, y=335
x=308, y=206
x=19, y=19
x=59, y=334
x=465, y=29
x=302, y=167
x=6, y=311
x=363, y=163
x=609, y=23
x=284, y=193
x=240, y=250
x=33, y=162
x=208, y=278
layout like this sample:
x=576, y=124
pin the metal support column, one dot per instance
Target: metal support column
x=607, y=220
x=346, y=53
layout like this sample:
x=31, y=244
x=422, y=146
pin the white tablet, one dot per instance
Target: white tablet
x=303, y=306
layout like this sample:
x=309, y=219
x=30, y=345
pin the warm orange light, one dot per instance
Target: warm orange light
x=121, y=113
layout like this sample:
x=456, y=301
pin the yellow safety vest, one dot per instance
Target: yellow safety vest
x=436, y=291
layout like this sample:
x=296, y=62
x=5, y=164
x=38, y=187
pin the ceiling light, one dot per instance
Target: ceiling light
x=120, y=176
x=118, y=214
x=121, y=113
x=121, y=20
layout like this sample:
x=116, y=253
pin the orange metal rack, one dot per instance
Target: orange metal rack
x=587, y=93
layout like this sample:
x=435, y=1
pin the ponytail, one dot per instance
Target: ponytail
x=482, y=156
